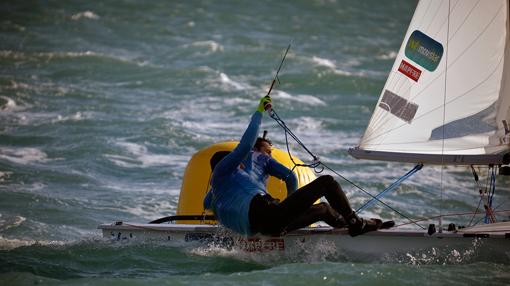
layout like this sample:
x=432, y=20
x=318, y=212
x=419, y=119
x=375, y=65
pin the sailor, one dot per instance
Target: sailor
x=240, y=202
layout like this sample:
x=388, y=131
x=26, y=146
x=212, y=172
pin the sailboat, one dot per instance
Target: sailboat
x=446, y=102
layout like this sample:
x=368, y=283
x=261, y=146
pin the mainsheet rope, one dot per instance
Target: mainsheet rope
x=486, y=195
x=316, y=163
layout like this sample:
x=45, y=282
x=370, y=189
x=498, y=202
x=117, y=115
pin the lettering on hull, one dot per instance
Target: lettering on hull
x=261, y=245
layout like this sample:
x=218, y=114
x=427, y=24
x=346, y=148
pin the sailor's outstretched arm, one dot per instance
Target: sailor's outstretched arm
x=283, y=173
x=228, y=164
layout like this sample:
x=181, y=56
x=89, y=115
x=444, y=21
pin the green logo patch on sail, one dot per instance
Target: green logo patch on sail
x=424, y=50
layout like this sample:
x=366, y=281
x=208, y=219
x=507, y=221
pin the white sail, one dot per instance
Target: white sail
x=447, y=98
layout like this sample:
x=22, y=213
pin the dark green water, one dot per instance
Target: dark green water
x=103, y=103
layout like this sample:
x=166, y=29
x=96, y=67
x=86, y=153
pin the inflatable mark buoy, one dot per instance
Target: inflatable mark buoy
x=197, y=175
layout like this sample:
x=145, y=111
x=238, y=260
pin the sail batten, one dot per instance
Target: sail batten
x=448, y=93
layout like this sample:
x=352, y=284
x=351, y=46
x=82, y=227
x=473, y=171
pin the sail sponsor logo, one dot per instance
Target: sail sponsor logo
x=409, y=70
x=424, y=50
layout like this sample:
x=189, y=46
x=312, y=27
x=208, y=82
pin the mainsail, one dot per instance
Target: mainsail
x=447, y=98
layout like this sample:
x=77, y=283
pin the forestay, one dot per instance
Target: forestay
x=447, y=98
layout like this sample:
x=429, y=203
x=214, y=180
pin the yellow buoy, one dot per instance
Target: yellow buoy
x=197, y=175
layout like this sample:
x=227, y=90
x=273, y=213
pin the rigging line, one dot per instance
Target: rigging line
x=373, y=197
x=486, y=186
x=443, y=128
x=287, y=131
x=440, y=26
x=479, y=189
x=493, y=184
x=465, y=17
x=282, y=124
x=489, y=218
x=483, y=192
x=276, y=78
x=317, y=162
x=449, y=215
x=477, y=209
x=494, y=211
x=391, y=187
x=288, y=151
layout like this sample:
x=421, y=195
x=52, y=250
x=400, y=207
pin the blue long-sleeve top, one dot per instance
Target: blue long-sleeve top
x=240, y=176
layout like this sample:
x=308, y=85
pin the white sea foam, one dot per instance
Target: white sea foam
x=348, y=68
x=85, y=15
x=303, y=98
x=387, y=56
x=324, y=62
x=228, y=83
x=443, y=255
x=10, y=104
x=22, y=156
x=308, y=124
x=4, y=176
x=344, y=69
x=9, y=244
x=23, y=118
x=47, y=88
x=7, y=222
x=151, y=209
x=210, y=45
x=344, y=72
x=139, y=156
x=78, y=116
x=236, y=101
x=362, y=73
x=214, y=251
x=17, y=55
x=48, y=56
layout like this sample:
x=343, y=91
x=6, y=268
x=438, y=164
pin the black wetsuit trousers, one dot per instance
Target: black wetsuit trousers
x=271, y=217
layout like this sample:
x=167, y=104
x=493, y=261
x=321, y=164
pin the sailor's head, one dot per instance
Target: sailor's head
x=263, y=145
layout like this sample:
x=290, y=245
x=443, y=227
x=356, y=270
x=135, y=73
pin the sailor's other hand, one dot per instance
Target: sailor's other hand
x=265, y=104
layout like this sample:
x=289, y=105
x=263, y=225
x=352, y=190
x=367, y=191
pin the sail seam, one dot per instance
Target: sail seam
x=379, y=120
x=461, y=54
x=436, y=108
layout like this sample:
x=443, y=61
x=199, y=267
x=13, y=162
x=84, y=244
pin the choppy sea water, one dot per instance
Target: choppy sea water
x=103, y=103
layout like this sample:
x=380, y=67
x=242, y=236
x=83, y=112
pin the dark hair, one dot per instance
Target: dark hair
x=217, y=157
x=259, y=141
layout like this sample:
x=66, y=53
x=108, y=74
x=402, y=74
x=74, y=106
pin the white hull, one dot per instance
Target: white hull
x=485, y=244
